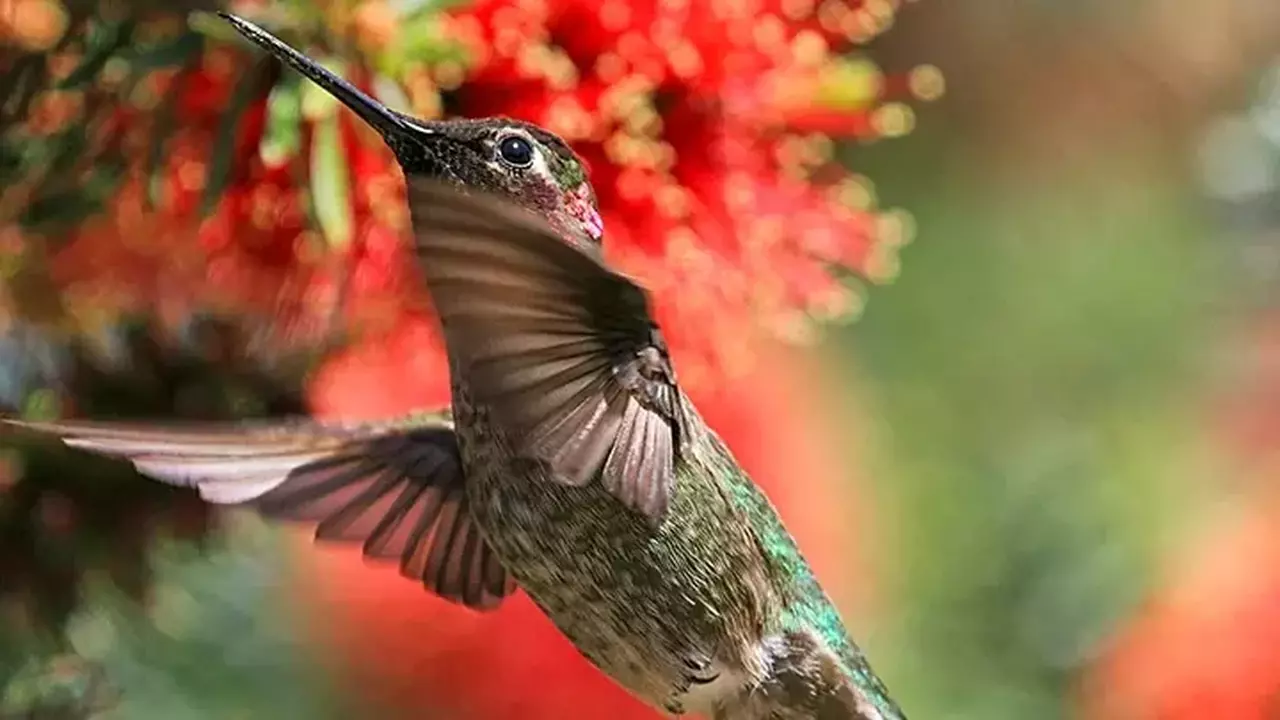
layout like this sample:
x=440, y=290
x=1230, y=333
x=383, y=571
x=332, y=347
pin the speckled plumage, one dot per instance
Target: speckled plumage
x=640, y=536
x=718, y=584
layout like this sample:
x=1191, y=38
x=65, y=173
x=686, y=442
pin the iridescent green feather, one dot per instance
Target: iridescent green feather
x=569, y=173
x=807, y=606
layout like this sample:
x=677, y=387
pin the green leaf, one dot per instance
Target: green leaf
x=282, y=138
x=61, y=209
x=42, y=404
x=173, y=51
x=317, y=103
x=49, y=153
x=70, y=207
x=223, y=603
x=209, y=25
x=388, y=92
x=222, y=160
x=101, y=46
x=12, y=161
x=164, y=124
x=415, y=9
x=330, y=184
x=423, y=40
x=68, y=148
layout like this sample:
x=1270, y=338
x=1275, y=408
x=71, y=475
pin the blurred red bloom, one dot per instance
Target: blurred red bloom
x=692, y=118
x=257, y=252
x=1207, y=644
x=695, y=120
x=152, y=248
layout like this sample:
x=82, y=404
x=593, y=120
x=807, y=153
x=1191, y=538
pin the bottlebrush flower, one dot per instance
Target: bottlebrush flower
x=692, y=117
x=257, y=251
x=699, y=122
x=704, y=127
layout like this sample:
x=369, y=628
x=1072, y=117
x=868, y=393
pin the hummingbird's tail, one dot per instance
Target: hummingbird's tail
x=807, y=682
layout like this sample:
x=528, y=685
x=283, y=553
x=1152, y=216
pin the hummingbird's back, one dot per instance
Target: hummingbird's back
x=806, y=607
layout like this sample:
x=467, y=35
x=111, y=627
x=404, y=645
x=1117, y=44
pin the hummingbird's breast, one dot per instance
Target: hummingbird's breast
x=676, y=615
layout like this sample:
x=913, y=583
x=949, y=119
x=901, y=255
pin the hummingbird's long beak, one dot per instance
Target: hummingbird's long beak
x=382, y=118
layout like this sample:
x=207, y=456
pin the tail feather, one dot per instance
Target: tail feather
x=806, y=681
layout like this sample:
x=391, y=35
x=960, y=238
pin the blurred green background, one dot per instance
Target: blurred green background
x=1047, y=376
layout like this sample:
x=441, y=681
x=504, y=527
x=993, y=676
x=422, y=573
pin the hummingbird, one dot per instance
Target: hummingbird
x=570, y=463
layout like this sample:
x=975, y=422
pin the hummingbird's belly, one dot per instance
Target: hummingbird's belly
x=675, y=615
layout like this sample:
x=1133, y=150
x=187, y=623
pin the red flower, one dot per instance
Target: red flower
x=697, y=120
x=257, y=251
x=691, y=116
x=236, y=258
x=1207, y=644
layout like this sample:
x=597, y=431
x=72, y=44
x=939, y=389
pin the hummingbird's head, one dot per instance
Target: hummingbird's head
x=510, y=158
x=517, y=160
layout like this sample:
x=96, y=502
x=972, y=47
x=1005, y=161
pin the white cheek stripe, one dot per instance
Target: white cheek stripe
x=540, y=165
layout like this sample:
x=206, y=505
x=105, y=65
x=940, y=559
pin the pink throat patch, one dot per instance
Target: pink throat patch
x=581, y=209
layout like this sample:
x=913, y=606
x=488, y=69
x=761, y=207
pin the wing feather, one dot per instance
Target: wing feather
x=562, y=351
x=396, y=490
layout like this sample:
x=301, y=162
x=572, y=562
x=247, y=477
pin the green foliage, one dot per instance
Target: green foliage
x=282, y=137
x=118, y=594
x=423, y=42
x=1034, y=372
x=211, y=644
x=102, y=42
x=69, y=173
x=221, y=158
x=330, y=176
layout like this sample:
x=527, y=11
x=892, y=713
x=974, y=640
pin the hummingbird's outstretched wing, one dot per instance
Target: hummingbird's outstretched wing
x=397, y=489
x=562, y=350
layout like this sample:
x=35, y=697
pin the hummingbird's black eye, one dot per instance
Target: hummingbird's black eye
x=516, y=151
